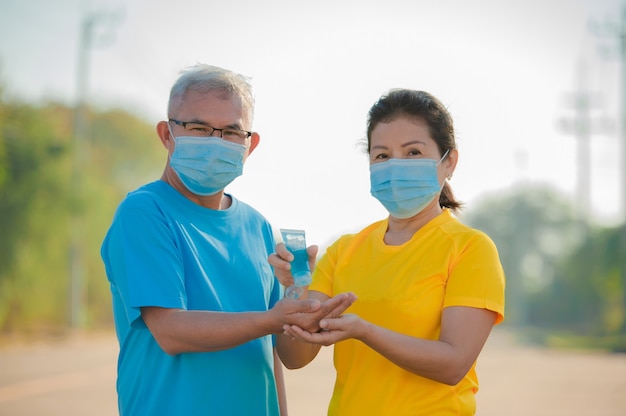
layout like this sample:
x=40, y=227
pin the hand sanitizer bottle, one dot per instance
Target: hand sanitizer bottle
x=295, y=242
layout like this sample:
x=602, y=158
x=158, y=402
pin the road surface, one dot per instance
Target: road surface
x=75, y=376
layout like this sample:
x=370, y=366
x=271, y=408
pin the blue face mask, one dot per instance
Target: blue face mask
x=405, y=186
x=206, y=165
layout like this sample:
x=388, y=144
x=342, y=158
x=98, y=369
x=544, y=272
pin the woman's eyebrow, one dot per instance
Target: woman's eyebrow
x=409, y=143
x=412, y=142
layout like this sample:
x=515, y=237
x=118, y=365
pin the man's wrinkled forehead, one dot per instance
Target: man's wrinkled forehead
x=178, y=102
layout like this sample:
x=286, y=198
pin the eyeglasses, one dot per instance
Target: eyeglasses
x=198, y=128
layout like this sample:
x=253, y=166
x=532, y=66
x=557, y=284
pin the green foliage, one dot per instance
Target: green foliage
x=591, y=285
x=565, y=277
x=533, y=227
x=49, y=194
x=125, y=153
x=32, y=171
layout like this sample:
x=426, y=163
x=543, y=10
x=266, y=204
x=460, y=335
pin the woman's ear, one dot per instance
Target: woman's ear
x=450, y=162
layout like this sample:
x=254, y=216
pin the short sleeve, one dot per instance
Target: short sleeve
x=476, y=278
x=141, y=254
x=322, y=280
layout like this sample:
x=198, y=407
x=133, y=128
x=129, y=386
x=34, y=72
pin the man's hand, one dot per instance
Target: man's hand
x=307, y=314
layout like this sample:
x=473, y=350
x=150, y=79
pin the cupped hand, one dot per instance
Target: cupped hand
x=307, y=314
x=332, y=330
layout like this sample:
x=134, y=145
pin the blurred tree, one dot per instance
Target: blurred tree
x=563, y=276
x=125, y=153
x=590, y=287
x=36, y=204
x=33, y=169
x=533, y=228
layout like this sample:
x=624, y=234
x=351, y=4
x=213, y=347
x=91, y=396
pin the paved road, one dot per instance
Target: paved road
x=76, y=377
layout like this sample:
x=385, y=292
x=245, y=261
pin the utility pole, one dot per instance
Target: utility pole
x=78, y=244
x=618, y=30
x=622, y=37
x=581, y=126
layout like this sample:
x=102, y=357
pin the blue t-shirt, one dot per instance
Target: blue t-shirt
x=164, y=250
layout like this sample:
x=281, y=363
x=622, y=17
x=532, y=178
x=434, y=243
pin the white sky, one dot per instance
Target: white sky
x=503, y=68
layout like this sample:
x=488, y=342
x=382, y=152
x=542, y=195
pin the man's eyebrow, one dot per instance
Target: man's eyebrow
x=198, y=121
x=235, y=126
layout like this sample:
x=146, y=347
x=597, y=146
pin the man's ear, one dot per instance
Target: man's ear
x=254, y=141
x=163, y=131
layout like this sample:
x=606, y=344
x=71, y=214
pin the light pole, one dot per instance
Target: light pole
x=622, y=38
x=78, y=243
x=618, y=30
x=581, y=127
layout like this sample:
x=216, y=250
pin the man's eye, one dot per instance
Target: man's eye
x=198, y=128
x=231, y=134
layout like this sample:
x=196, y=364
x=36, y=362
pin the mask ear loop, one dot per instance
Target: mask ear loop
x=169, y=128
x=448, y=177
x=443, y=157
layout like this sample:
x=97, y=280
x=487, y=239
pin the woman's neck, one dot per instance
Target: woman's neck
x=399, y=231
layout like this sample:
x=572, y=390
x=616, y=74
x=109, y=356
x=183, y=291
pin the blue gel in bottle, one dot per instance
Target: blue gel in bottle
x=296, y=243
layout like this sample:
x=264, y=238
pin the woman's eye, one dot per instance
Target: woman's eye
x=381, y=156
x=414, y=153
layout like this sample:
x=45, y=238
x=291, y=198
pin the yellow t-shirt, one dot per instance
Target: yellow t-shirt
x=405, y=288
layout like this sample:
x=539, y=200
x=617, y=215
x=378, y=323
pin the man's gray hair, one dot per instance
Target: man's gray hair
x=204, y=78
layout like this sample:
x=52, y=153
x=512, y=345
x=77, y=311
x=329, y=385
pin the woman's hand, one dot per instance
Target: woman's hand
x=281, y=262
x=307, y=317
x=332, y=330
